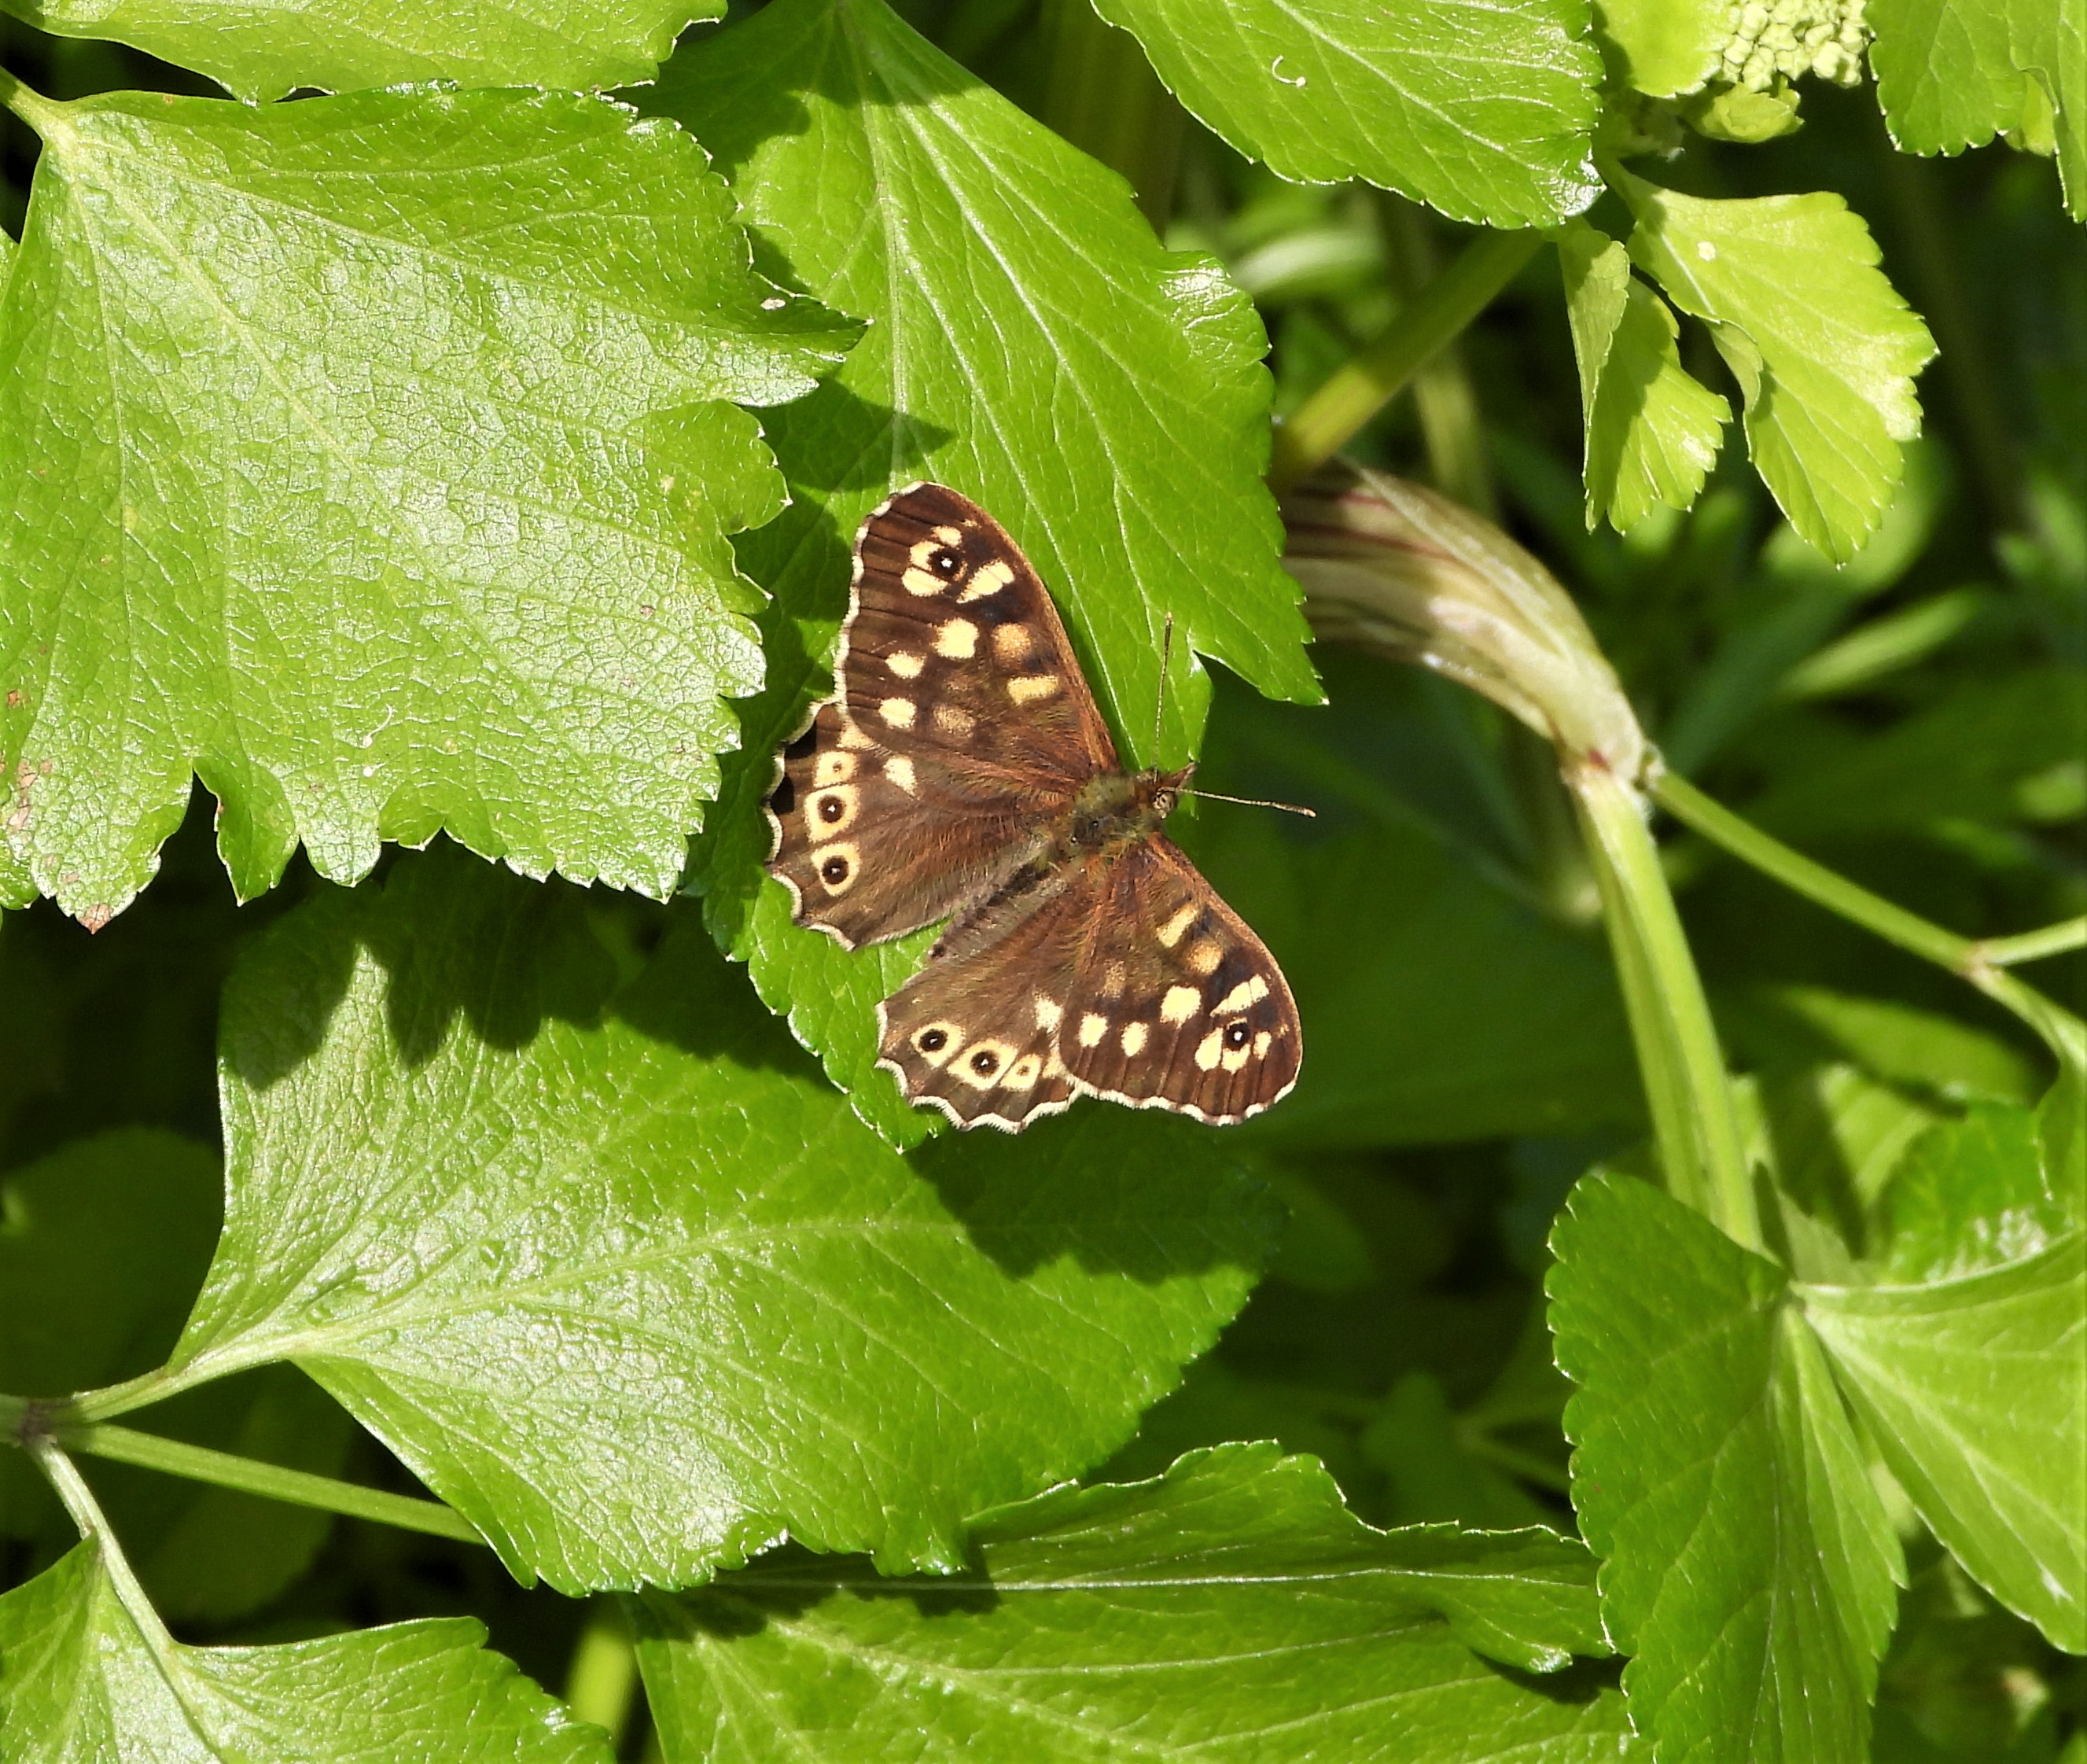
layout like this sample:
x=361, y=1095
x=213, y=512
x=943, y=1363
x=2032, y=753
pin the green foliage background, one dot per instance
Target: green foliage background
x=472, y=464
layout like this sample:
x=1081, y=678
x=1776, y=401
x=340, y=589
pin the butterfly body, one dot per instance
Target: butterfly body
x=963, y=772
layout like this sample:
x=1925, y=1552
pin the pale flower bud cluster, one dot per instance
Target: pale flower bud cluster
x=1782, y=39
x=1393, y=567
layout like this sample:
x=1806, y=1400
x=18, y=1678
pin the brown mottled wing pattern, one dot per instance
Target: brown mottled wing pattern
x=962, y=725
x=1129, y=979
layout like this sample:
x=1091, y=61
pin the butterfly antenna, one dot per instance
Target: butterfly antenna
x=1159, y=709
x=1255, y=802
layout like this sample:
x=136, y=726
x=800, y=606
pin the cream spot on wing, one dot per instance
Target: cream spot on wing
x=1179, y=1004
x=957, y=724
x=1235, y=1057
x=1112, y=979
x=924, y=548
x=905, y=665
x=1203, y=955
x=956, y=638
x=899, y=770
x=935, y=1042
x=833, y=768
x=922, y=582
x=836, y=866
x=851, y=737
x=990, y=579
x=1248, y=992
x=1049, y=1012
x=1261, y=1044
x=1210, y=1049
x=1177, y=927
x=1135, y=1036
x=898, y=712
x=1093, y=1027
x=981, y=1064
x=949, y=535
x=830, y=811
x=1023, y=1073
x=1011, y=644
x=1027, y=689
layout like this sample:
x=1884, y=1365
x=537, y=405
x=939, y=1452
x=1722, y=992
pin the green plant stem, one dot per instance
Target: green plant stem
x=249, y=1476
x=2034, y=946
x=64, y=1477
x=1324, y=422
x=1686, y=1087
x=602, y=1681
x=1974, y=961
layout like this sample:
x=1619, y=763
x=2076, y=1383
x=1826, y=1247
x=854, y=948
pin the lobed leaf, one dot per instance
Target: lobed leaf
x=1747, y=1562
x=1972, y=1194
x=1232, y=1609
x=1952, y=74
x=1823, y=347
x=82, y=1681
x=1485, y=113
x=1975, y=1391
x=1031, y=345
x=1651, y=429
x=376, y=516
x=1664, y=48
x=629, y=1286
x=260, y=49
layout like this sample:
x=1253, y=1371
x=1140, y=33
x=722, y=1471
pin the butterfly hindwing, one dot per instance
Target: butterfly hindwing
x=1178, y=1004
x=1130, y=980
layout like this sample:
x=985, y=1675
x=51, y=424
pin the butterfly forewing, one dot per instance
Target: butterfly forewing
x=962, y=725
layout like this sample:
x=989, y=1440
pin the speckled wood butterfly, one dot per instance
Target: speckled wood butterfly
x=963, y=771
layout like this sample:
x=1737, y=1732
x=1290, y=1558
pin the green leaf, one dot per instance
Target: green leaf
x=1925, y=1050
x=1975, y=1391
x=1483, y=112
x=1952, y=74
x=258, y=53
x=1747, y=1562
x=1967, y=757
x=1031, y=345
x=1232, y=1609
x=83, y=1680
x=1664, y=47
x=1651, y=430
x=377, y=517
x=1821, y=344
x=1970, y=1195
x=625, y=1282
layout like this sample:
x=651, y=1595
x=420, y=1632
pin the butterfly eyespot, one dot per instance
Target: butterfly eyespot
x=932, y=1040
x=831, y=808
x=834, y=869
x=946, y=563
x=984, y=1063
x=1237, y=1035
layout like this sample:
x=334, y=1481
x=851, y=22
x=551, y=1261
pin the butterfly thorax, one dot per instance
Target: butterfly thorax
x=1115, y=810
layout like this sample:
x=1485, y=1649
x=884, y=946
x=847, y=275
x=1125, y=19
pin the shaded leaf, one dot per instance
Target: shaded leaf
x=1822, y=345
x=84, y=1679
x=1965, y=757
x=1665, y=47
x=378, y=518
x=259, y=52
x=1747, y=1562
x=1032, y=346
x=1970, y=1195
x=627, y=1284
x=1482, y=112
x=1651, y=430
x=1232, y=1609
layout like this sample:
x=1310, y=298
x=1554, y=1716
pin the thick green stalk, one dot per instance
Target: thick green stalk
x=1983, y=964
x=603, y=1682
x=2034, y=946
x=1324, y=422
x=273, y=1482
x=1686, y=1087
